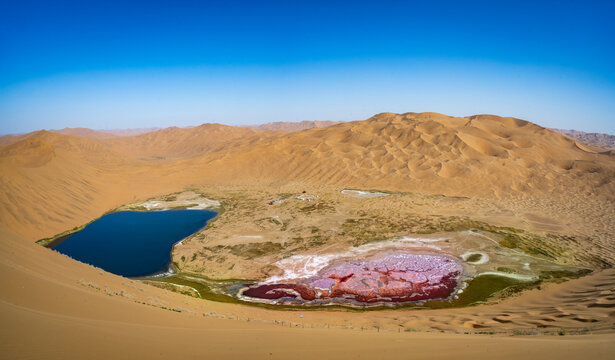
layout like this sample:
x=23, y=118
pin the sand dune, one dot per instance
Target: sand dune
x=432, y=153
x=514, y=172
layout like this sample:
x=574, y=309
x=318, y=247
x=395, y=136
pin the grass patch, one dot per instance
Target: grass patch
x=254, y=250
x=558, y=275
x=474, y=258
x=320, y=207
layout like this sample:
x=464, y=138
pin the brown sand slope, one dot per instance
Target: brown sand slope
x=52, y=182
x=477, y=156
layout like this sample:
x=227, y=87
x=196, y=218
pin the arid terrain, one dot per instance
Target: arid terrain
x=282, y=191
x=604, y=141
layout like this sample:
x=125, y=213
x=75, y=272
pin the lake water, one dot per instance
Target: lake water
x=131, y=243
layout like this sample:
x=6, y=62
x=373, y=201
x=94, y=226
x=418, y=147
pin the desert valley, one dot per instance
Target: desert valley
x=414, y=233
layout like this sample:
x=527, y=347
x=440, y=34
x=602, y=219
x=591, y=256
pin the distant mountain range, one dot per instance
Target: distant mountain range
x=595, y=139
x=294, y=126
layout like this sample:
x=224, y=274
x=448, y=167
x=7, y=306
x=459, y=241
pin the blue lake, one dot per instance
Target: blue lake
x=131, y=243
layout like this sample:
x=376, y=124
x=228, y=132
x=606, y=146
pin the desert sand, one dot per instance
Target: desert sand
x=502, y=171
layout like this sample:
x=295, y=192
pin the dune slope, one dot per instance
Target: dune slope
x=483, y=155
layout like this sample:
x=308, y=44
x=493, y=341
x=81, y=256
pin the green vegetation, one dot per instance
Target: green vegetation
x=269, y=223
x=366, y=228
x=204, y=287
x=319, y=206
x=483, y=287
x=139, y=208
x=506, y=270
x=518, y=332
x=171, y=197
x=474, y=258
x=559, y=275
x=254, y=250
x=247, y=251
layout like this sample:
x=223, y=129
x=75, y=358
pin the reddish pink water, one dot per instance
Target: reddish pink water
x=394, y=278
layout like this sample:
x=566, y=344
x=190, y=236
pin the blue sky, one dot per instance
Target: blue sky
x=108, y=64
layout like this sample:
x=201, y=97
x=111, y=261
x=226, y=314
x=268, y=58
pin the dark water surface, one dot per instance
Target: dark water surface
x=131, y=243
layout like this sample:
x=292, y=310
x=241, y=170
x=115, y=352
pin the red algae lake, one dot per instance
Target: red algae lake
x=397, y=278
x=133, y=243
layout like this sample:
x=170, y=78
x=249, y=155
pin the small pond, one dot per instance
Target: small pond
x=133, y=243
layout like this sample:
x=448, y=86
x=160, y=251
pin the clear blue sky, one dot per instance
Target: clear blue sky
x=126, y=64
